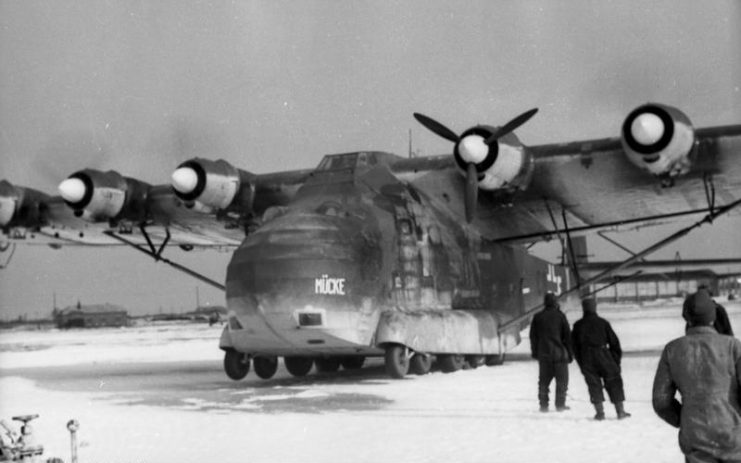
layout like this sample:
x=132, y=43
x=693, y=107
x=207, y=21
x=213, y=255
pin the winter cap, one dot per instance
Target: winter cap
x=699, y=308
x=550, y=300
x=589, y=305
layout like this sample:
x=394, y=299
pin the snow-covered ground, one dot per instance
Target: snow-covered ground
x=482, y=415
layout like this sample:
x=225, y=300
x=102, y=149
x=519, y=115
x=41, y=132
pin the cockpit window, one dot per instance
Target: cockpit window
x=338, y=161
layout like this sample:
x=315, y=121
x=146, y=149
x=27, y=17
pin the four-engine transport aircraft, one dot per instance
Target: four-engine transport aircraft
x=372, y=254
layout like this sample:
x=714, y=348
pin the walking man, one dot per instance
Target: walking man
x=550, y=343
x=598, y=354
x=705, y=367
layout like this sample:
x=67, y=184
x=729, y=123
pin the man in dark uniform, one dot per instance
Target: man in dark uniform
x=705, y=368
x=597, y=352
x=550, y=343
x=722, y=323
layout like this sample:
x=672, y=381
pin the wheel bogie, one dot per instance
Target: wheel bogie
x=352, y=362
x=298, y=366
x=451, y=362
x=327, y=364
x=474, y=361
x=420, y=364
x=236, y=364
x=265, y=367
x=397, y=361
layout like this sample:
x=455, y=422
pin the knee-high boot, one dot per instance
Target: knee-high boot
x=600, y=411
x=620, y=409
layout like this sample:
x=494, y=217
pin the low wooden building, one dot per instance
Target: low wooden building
x=650, y=286
x=91, y=316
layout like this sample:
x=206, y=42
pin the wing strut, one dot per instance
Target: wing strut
x=157, y=255
x=566, y=244
x=3, y=248
x=712, y=215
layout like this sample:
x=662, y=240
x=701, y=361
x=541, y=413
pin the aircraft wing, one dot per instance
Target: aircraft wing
x=660, y=168
x=96, y=205
x=597, y=186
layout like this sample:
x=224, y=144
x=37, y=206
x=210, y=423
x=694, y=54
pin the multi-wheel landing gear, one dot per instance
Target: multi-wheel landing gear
x=237, y=364
x=400, y=360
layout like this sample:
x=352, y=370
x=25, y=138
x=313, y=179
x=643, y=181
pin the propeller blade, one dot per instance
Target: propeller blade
x=472, y=191
x=511, y=125
x=436, y=127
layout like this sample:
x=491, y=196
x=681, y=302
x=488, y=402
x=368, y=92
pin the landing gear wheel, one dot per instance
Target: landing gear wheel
x=420, y=364
x=494, y=360
x=354, y=362
x=327, y=364
x=451, y=362
x=298, y=366
x=265, y=367
x=397, y=361
x=236, y=364
x=474, y=361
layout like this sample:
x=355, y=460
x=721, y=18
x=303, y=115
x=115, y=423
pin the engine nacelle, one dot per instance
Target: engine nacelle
x=503, y=165
x=205, y=184
x=659, y=139
x=98, y=196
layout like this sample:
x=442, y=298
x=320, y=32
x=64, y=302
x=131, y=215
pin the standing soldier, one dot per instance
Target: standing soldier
x=722, y=323
x=705, y=367
x=597, y=352
x=550, y=344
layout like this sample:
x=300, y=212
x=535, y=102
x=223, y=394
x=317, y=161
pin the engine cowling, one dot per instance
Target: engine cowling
x=502, y=165
x=659, y=139
x=98, y=196
x=206, y=184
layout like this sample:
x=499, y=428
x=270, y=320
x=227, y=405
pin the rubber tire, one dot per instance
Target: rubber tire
x=354, y=362
x=397, y=361
x=265, y=367
x=236, y=364
x=327, y=364
x=298, y=366
x=474, y=361
x=451, y=362
x=494, y=360
x=420, y=364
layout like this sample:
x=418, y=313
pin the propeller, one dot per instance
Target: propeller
x=473, y=150
x=511, y=126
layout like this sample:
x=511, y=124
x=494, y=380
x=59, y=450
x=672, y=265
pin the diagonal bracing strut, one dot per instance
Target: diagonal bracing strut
x=157, y=255
x=712, y=215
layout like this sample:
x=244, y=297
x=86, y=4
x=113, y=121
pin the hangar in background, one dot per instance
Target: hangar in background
x=649, y=286
x=91, y=316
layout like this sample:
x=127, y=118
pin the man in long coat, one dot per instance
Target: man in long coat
x=550, y=343
x=705, y=367
x=597, y=352
x=722, y=323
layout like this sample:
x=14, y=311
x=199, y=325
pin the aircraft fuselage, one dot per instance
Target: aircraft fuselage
x=321, y=276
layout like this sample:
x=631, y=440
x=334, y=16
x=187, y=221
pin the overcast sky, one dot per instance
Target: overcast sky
x=139, y=86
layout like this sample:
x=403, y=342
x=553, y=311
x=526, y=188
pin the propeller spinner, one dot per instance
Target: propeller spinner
x=473, y=150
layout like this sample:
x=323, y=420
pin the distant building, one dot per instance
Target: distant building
x=91, y=316
x=652, y=286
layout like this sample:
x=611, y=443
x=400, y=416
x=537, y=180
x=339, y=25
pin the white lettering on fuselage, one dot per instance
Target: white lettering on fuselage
x=554, y=278
x=326, y=285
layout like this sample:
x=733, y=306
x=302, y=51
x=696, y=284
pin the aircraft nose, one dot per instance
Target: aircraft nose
x=305, y=257
x=306, y=280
